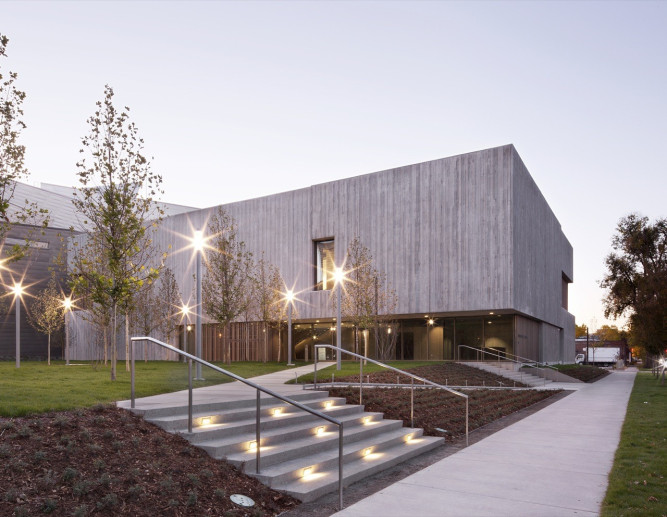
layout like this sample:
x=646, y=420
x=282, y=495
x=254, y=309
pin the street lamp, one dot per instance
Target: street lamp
x=289, y=297
x=428, y=338
x=67, y=305
x=198, y=245
x=185, y=313
x=339, y=277
x=18, y=292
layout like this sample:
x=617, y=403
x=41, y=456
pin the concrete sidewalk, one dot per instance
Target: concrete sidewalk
x=229, y=391
x=552, y=463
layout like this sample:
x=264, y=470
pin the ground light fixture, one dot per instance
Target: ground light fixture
x=18, y=293
x=319, y=431
x=206, y=420
x=367, y=451
x=328, y=404
x=307, y=471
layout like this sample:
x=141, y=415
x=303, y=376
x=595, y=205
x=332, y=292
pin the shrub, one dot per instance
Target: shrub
x=70, y=474
x=108, y=501
x=192, y=498
x=49, y=505
x=80, y=511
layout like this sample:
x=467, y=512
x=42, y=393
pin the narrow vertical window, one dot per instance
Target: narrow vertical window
x=324, y=265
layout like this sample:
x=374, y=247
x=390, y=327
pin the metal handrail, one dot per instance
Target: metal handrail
x=524, y=360
x=495, y=354
x=259, y=388
x=397, y=370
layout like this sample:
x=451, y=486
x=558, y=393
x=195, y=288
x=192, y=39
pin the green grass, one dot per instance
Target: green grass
x=352, y=368
x=37, y=387
x=637, y=483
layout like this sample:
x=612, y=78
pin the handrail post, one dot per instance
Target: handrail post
x=315, y=368
x=412, y=402
x=257, y=436
x=361, y=379
x=189, y=395
x=132, y=374
x=340, y=467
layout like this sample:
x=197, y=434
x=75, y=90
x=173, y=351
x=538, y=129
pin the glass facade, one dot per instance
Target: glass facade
x=432, y=339
x=324, y=265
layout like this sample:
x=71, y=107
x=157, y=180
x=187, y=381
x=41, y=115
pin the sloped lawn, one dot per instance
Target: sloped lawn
x=583, y=372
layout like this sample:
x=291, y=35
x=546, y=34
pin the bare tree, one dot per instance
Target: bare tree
x=227, y=277
x=47, y=313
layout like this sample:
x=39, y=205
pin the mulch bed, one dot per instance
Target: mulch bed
x=586, y=372
x=447, y=374
x=107, y=461
x=439, y=409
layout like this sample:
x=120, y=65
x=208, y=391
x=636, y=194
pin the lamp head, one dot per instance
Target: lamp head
x=198, y=240
x=17, y=289
x=339, y=276
x=67, y=303
x=289, y=295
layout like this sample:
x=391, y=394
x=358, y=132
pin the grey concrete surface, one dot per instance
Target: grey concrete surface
x=230, y=391
x=553, y=463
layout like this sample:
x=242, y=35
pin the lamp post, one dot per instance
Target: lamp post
x=67, y=305
x=198, y=244
x=338, y=277
x=185, y=313
x=428, y=338
x=289, y=296
x=18, y=292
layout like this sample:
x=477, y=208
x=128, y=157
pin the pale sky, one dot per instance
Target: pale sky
x=241, y=99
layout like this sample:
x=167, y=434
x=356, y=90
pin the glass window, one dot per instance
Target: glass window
x=324, y=265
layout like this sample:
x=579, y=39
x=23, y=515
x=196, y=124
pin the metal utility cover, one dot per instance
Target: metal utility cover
x=242, y=500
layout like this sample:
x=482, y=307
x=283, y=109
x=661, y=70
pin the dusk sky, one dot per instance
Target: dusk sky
x=242, y=99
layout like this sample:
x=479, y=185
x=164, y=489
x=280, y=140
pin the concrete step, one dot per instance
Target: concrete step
x=323, y=477
x=217, y=416
x=239, y=443
x=510, y=374
x=293, y=441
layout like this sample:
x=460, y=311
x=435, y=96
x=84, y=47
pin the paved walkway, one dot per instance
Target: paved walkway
x=229, y=391
x=552, y=463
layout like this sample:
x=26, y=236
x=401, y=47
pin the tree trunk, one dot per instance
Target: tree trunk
x=114, y=347
x=280, y=341
x=127, y=343
x=48, y=351
x=106, y=345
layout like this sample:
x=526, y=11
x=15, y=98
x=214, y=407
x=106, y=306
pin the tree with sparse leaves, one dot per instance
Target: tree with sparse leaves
x=367, y=300
x=12, y=161
x=636, y=280
x=117, y=257
x=227, y=279
x=47, y=313
x=268, y=288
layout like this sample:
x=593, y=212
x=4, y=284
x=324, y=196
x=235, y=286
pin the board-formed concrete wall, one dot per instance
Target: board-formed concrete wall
x=464, y=234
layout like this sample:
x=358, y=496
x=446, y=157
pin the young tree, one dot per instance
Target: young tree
x=47, y=313
x=116, y=200
x=636, y=280
x=169, y=297
x=12, y=155
x=268, y=286
x=367, y=301
x=580, y=330
x=227, y=277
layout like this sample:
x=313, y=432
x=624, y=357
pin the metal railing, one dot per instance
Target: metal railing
x=257, y=387
x=529, y=362
x=363, y=359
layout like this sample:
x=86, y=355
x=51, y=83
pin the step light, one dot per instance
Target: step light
x=252, y=446
x=206, y=420
x=367, y=451
x=328, y=404
x=408, y=438
x=277, y=411
x=308, y=471
x=319, y=431
x=367, y=420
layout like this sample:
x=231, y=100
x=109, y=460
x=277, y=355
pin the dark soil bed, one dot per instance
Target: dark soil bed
x=435, y=408
x=447, y=374
x=584, y=372
x=106, y=461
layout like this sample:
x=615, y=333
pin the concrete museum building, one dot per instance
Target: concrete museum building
x=469, y=244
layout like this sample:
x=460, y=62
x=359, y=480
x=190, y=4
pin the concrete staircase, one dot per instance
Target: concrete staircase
x=510, y=371
x=299, y=451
